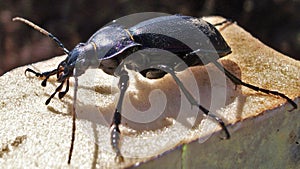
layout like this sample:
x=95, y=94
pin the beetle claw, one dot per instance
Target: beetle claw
x=119, y=158
x=34, y=72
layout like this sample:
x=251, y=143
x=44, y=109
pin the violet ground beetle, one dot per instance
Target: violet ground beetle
x=123, y=42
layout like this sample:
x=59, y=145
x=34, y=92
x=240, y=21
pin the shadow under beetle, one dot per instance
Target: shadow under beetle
x=121, y=42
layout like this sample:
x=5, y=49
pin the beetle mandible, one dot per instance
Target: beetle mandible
x=120, y=42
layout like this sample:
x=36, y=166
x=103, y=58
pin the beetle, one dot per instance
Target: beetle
x=113, y=43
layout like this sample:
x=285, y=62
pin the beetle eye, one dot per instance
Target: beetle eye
x=66, y=71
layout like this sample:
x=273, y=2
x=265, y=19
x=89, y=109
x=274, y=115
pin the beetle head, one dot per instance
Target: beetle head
x=64, y=71
x=76, y=58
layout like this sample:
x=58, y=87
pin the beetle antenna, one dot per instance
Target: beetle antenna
x=43, y=31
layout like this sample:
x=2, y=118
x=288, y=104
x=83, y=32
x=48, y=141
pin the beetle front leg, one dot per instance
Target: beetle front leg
x=115, y=131
x=44, y=74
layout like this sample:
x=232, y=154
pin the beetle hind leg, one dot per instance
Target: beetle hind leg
x=238, y=81
x=223, y=22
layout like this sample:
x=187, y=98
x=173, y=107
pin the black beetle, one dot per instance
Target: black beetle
x=113, y=43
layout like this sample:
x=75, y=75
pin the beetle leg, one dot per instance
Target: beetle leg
x=62, y=94
x=238, y=81
x=192, y=100
x=223, y=22
x=56, y=90
x=44, y=74
x=115, y=131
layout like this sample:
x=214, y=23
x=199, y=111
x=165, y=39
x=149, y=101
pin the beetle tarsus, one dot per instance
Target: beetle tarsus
x=238, y=81
x=62, y=94
x=44, y=74
x=221, y=123
x=115, y=142
x=34, y=72
x=53, y=94
x=224, y=22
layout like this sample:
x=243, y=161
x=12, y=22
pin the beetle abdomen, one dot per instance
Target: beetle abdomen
x=180, y=34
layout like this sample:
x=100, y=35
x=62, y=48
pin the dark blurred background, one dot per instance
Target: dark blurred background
x=274, y=22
